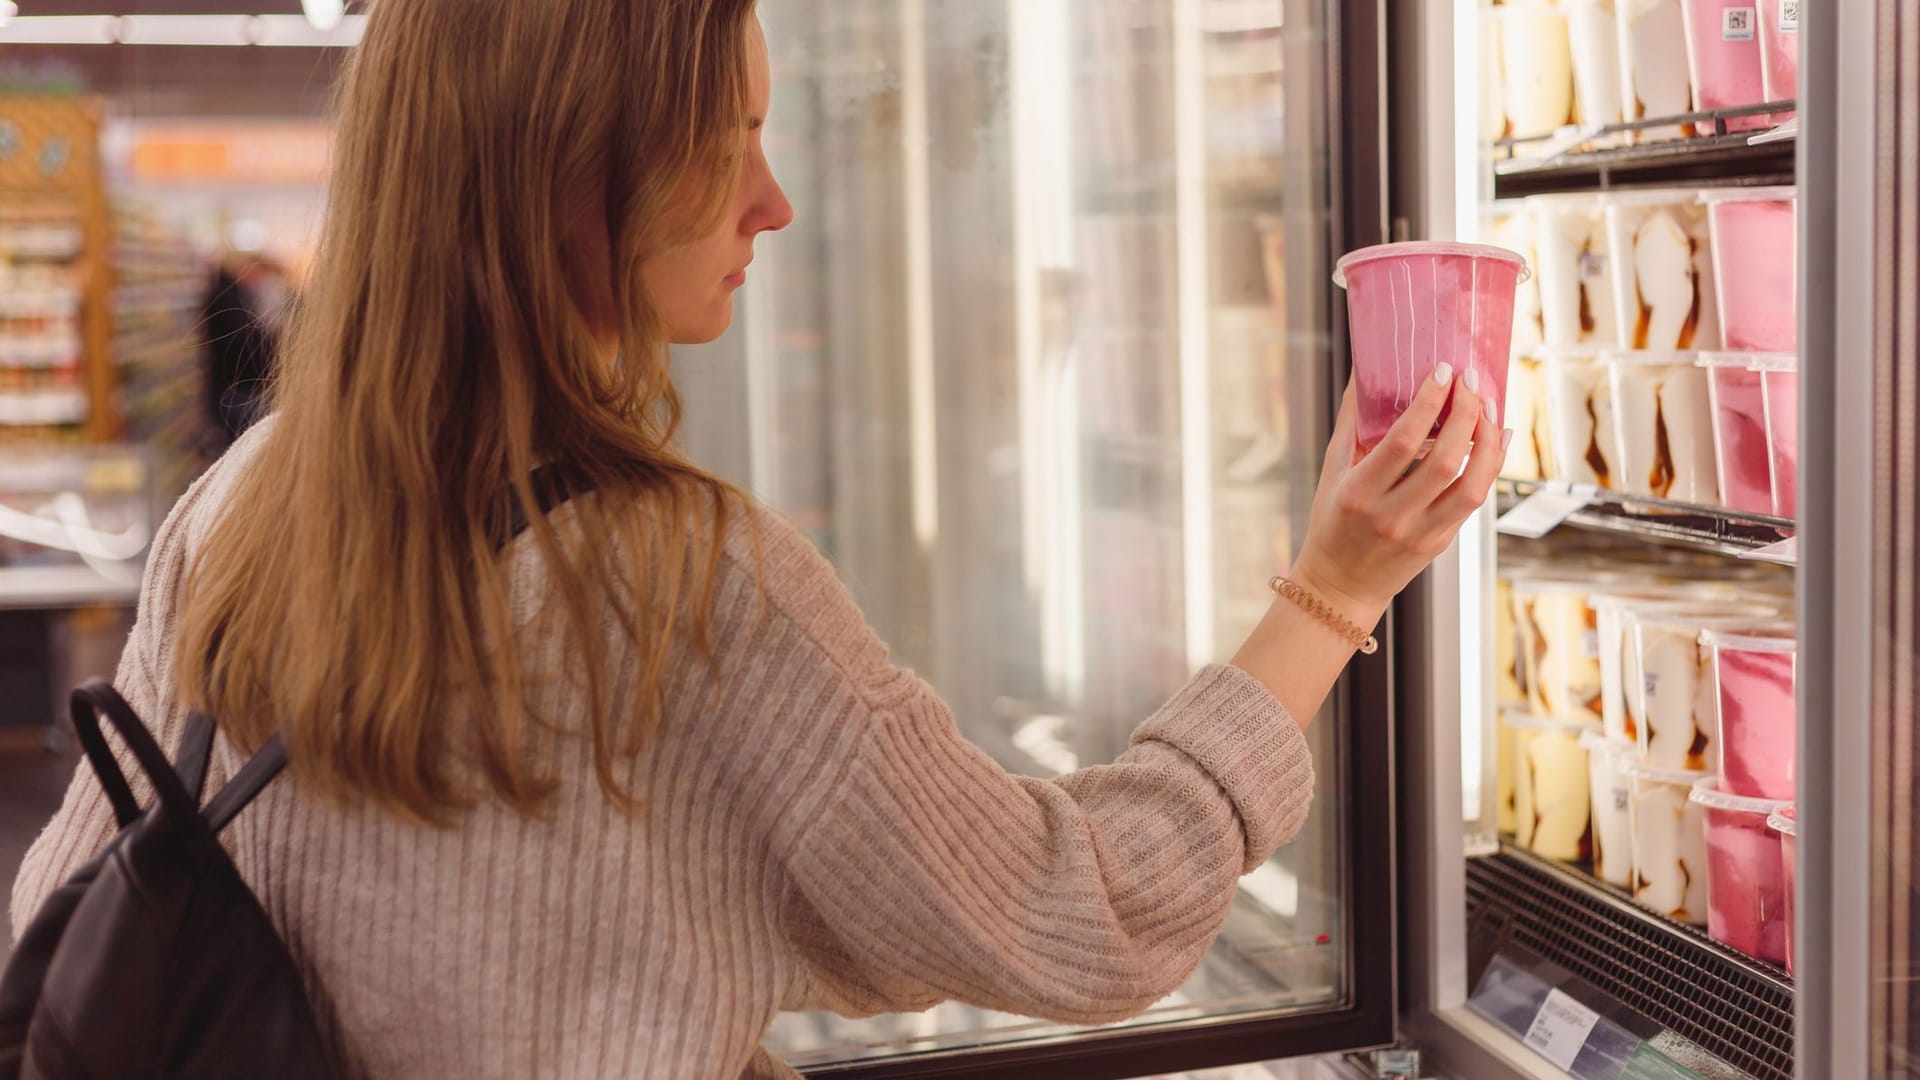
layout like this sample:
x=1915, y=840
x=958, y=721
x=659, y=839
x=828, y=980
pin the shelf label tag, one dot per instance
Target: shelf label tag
x=1542, y=512
x=1560, y=1029
x=1786, y=552
x=1738, y=24
x=1789, y=16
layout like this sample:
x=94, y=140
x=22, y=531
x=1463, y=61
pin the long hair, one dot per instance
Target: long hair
x=350, y=596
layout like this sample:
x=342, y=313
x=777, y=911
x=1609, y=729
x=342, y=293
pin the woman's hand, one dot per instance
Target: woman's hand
x=1380, y=519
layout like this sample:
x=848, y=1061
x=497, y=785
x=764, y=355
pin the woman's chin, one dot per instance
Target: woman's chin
x=706, y=329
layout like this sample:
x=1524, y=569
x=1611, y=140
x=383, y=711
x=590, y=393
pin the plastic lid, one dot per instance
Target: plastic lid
x=1696, y=615
x=1426, y=247
x=1708, y=794
x=1596, y=739
x=1784, y=361
x=1531, y=722
x=1679, y=594
x=1564, y=199
x=1786, y=193
x=1574, y=354
x=1741, y=360
x=1777, y=637
x=1662, y=774
x=1784, y=821
x=1651, y=357
x=1651, y=197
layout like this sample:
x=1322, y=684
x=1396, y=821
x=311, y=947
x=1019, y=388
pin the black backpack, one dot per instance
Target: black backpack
x=155, y=959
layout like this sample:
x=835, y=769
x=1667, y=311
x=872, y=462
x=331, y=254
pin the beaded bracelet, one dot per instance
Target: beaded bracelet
x=1318, y=608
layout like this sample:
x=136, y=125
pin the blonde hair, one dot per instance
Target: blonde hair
x=440, y=357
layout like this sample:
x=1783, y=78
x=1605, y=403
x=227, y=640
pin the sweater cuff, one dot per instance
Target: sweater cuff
x=1233, y=727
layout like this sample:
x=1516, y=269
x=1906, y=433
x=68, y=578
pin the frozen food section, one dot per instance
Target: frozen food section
x=1047, y=365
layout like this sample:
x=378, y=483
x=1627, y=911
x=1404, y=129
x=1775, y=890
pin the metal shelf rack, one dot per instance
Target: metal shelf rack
x=1708, y=528
x=1575, y=163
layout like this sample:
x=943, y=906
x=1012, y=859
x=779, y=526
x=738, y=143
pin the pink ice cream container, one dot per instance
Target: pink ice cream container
x=1754, y=669
x=1786, y=822
x=1746, y=890
x=1412, y=306
x=1780, y=378
x=1743, y=457
x=1723, y=57
x=1780, y=52
x=1754, y=238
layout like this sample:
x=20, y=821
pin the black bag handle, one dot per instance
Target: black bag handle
x=96, y=697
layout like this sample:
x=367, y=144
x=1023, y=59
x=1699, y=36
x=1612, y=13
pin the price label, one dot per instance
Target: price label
x=1786, y=552
x=1789, y=16
x=1542, y=512
x=1590, y=645
x=1560, y=1029
x=1738, y=24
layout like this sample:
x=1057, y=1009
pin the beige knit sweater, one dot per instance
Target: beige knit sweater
x=819, y=836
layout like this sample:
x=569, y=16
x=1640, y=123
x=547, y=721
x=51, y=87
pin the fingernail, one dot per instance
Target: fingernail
x=1493, y=412
x=1506, y=439
x=1473, y=380
x=1443, y=373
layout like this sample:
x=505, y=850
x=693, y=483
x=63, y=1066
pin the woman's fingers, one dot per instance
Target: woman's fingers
x=1386, y=463
x=1469, y=492
x=1340, y=447
x=1442, y=464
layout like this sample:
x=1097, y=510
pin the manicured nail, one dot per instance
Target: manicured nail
x=1473, y=380
x=1443, y=373
x=1493, y=412
x=1506, y=440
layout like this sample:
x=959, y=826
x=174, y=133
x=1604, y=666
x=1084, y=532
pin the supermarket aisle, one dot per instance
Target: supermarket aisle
x=34, y=784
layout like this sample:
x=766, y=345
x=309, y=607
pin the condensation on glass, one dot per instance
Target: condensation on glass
x=1042, y=365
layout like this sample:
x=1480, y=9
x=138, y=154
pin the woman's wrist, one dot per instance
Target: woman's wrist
x=1357, y=609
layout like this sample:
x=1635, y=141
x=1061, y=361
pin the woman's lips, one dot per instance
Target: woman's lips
x=736, y=279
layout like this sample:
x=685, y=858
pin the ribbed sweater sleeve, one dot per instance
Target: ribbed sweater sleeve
x=930, y=872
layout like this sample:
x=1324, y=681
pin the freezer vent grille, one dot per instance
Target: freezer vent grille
x=1674, y=976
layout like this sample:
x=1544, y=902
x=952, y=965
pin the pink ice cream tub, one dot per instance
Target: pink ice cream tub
x=1780, y=377
x=1754, y=668
x=1787, y=823
x=1743, y=458
x=1723, y=58
x=1755, y=240
x=1746, y=890
x=1412, y=306
x=1780, y=52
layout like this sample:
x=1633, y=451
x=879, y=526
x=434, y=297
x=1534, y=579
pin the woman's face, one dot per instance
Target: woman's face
x=692, y=286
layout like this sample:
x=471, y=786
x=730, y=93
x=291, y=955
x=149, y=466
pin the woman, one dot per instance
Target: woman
x=602, y=804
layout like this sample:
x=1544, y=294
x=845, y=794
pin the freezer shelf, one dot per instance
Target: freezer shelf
x=1674, y=976
x=1708, y=528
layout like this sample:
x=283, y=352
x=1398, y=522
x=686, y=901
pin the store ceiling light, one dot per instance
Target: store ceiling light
x=186, y=30
x=324, y=14
x=201, y=30
x=60, y=30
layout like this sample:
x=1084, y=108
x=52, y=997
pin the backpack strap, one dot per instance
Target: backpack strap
x=89, y=702
x=196, y=750
x=252, y=778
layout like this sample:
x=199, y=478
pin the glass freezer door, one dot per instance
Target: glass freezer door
x=1046, y=365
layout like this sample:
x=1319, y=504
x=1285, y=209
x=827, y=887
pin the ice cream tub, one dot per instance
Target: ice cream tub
x=1576, y=287
x=1678, y=714
x=1536, y=71
x=1746, y=891
x=1755, y=267
x=1509, y=676
x=1755, y=670
x=1743, y=458
x=1663, y=426
x=1529, y=456
x=1551, y=799
x=1581, y=432
x=1786, y=823
x=1511, y=226
x=1654, y=80
x=1619, y=665
x=1559, y=649
x=1780, y=380
x=1780, y=52
x=1411, y=306
x=1661, y=263
x=1611, y=790
x=1594, y=34
x=1723, y=58
x=1669, y=843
